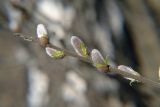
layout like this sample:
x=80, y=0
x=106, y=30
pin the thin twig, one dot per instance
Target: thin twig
x=87, y=59
x=24, y=37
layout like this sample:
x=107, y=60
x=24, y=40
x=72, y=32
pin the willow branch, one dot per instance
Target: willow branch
x=88, y=60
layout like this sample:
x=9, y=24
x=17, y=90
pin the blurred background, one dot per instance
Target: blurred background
x=127, y=31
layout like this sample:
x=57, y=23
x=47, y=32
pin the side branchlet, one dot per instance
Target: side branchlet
x=54, y=53
x=98, y=61
x=129, y=70
x=79, y=46
x=42, y=35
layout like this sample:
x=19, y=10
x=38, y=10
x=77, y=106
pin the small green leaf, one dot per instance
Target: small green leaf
x=106, y=60
x=98, y=65
x=54, y=53
x=58, y=54
x=83, y=49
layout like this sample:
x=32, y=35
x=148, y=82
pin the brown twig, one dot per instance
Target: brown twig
x=109, y=67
